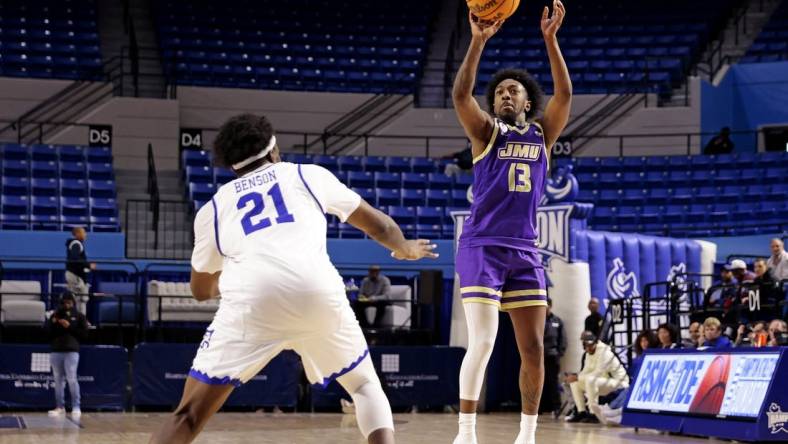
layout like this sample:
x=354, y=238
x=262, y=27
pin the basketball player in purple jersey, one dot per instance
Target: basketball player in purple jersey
x=497, y=260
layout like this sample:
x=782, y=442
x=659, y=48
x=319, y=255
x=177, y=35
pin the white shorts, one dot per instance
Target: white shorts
x=236, y=346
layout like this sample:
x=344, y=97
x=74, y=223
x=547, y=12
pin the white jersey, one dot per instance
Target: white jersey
x=266, y=233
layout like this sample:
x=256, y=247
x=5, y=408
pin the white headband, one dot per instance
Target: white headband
x=258, y=156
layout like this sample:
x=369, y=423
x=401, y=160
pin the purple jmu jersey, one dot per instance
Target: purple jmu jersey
x=508, y=184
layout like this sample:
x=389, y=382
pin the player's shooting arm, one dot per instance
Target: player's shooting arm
x=556, y=114
x=204, y=285
x=478, y=124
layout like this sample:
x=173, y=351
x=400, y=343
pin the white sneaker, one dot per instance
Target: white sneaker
x=76, y=414
x=462, y=439
x=60, y=411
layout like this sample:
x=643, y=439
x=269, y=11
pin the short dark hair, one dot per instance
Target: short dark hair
x=240, y=138
x=68, y=295
x=674, y=332
x=535, y=93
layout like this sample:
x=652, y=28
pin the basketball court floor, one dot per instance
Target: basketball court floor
x=262, y=428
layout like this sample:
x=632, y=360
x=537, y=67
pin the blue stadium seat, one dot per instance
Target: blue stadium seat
x=104, y=189
x=74, y=206
x=414, y=180
x=99, y=154
x=347, y=231
x=222, y=175
x=44, y=222
x=14, y=205
x=439, y=181
x=197, y=174
x=195, y=158
x=332, y=227
x=682, y=196
x=361, y=179
x=680, y=177
x=45, y=206
x=427, y=231
x=100, y=171
x=104, y=224
x=388, y=180
x=463, y=181
x=374, y=164
x=413, y=198
x=103, y=207
x=351, y=163
x=422, y=165
x=73, y=188
x=402, y=215
x=341, y=176
x=72, y=170
x=388, y=197
x=44, y=169
x=658, y=196
x=68, y=222
x=398, y=164
x=44, y=187
x=16, y=168
x=429, y=215
x=438, y=197
x=43, y=153
x=201, y=191
x=71, y=153
x=634, y=196
x=459, y=198
x=610, y=197
x=15, y=186
x=14, y=151
x=328, y=162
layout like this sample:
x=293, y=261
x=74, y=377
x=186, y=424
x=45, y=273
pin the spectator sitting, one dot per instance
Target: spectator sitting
x=695, y=336
x=713, y=337
x=602, y=373
x=778, y=262
x=740, y=273
x=463, y=162
x=375, y=288
x=721, y=143
x=726, y=292
x=669, y=336
x=746, y=336
x=776, y=327
x=611, y=413
x=593, y=322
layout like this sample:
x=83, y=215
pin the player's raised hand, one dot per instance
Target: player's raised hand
x=551, y=23
x=483, y=29
x=413, y=250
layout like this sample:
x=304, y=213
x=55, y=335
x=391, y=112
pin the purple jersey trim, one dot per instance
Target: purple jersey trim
x=211, y=380
x=310, y=190
x=345, y=370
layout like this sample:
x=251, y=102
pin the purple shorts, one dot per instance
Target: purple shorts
x=506, y=277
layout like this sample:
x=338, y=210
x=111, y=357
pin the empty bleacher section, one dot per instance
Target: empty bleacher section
x=772, y=43
x=611, y=46
x=413, y=190
x=739, y=194
x=353, y=46
x=50, y=187
x=49, y=39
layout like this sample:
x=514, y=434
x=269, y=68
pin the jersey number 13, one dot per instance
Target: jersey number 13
x=250, y=223
x=520, y=178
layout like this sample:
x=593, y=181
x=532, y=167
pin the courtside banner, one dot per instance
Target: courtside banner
x=738, y=393
x=27, y=382
x=704, y=384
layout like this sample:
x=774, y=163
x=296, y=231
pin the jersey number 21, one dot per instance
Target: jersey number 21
x=258, y=205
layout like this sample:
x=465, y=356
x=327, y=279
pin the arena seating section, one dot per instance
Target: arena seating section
x=739, y=194
x=414, y=191
x=610, y=44
x=772, y=43
x=308, y=45
x=49, y=187
x=45, y=38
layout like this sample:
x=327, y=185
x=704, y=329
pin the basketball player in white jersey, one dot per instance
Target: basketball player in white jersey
x=261, y=244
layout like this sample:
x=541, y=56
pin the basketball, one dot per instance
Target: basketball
x=493, y=10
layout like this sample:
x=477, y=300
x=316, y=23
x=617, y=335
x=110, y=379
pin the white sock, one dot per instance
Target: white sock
x=527, y=429
x=467, y=432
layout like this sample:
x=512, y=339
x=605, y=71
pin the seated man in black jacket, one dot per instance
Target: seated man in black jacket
x=67, y=328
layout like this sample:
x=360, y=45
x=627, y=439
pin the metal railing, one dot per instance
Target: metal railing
x=164, y=233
